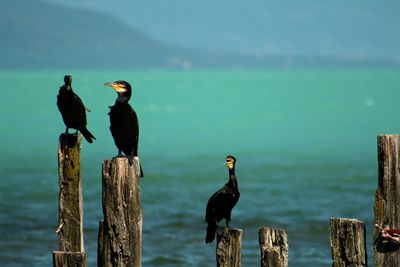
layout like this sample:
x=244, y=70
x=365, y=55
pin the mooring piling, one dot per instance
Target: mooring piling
x=120, y=233
x=348, y=243
x=387, y=199
x=70, y=209
x=69, y=259
x=228, y=248
x=274, y=247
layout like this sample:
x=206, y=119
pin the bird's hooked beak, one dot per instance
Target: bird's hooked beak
x=109, y=84
x=116, y=86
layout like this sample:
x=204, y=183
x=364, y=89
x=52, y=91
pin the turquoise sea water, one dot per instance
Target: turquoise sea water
x=305, y=143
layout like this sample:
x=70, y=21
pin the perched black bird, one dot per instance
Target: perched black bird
x=124, y=125
x=72, y=109
x=221, y=203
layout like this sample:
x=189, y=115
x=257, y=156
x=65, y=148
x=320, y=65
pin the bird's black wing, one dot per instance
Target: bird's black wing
x=216, y=204
x=135, y=132
x=124, y=128
x=218, y=207
x=71, y=108
x=80, y=109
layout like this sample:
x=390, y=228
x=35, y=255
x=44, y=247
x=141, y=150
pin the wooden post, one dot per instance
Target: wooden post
x=69, y=259
x=70, y=210
x=387, y=200
x=120, y=233
x=274, y=247
x=229, y=242
x=348, y=243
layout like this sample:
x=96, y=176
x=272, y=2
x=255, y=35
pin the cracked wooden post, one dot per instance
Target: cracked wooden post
x=387, y=200
x=348, y=243
x=70, y=211
x=228, y=252
x=120, y=233
x=69, y=259
x=274, y=247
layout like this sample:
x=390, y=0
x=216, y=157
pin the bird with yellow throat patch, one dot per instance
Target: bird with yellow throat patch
x=124, y=124
x=221, y=203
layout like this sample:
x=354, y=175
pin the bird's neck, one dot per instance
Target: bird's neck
x=232, y=178
x=121, y=99
x=68, y=87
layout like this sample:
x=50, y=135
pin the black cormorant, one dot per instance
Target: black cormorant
x=221, y=203
x=124, y=125
x=72, y=109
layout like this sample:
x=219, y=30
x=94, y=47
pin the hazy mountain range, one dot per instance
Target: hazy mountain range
x=193, y=34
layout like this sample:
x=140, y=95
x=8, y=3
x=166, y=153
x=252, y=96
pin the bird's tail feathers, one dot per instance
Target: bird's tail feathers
x=141, y=170
x=88, y=135
x=130, y=160
x=211, y=229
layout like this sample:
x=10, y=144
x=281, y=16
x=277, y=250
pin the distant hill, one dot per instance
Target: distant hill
x=36, y=34
x=340, y=28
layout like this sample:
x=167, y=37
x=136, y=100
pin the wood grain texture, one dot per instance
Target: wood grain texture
x=228, y=251
x=348, y=243
x=69, y=259
x=120, y=233
x=274, y=247
x=387, y=200
x=70, y=210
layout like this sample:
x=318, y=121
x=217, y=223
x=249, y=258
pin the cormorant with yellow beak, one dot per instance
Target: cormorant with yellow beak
x=221, y=203
x=124, y=125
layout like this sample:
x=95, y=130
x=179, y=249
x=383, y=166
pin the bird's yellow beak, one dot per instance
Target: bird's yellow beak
x=117, y=87
x=112, y=85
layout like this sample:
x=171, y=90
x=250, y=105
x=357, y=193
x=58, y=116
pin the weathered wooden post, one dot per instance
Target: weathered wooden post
x=229, y=243
x=387, y=200
x=274, y=247
x=348, y=243
x=120, y=233
x=70, y=210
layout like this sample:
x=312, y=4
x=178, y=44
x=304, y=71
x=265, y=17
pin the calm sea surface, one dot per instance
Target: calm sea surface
x=305, y=143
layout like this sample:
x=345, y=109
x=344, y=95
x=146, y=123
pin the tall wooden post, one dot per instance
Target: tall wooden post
x=348, y=243
x=274, y=247
x=120, y=233
x=387, y=199
x=70, y=211
x=229, y=243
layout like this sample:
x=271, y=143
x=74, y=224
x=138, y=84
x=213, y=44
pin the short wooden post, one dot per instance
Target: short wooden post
x=229, y=243
x=70, y=210
x=274, y=247
x=120, y=233
x=387, y=199
x=348, y=243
